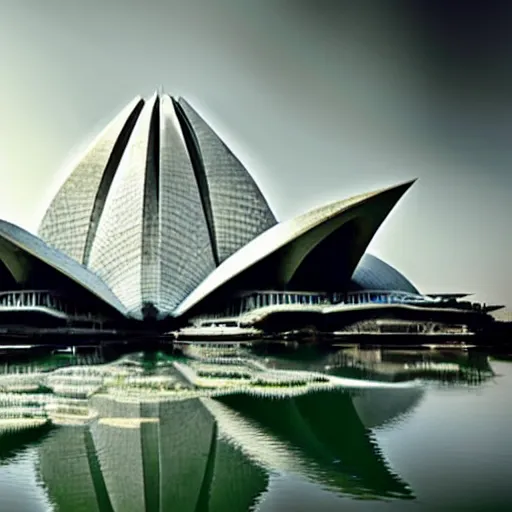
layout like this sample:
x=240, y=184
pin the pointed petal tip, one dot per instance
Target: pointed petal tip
x=402, y=187
x=136, y=99
x=160, y=93
x=395, y=191
x=406, y=184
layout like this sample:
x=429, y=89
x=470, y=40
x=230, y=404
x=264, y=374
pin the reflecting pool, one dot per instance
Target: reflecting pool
x=234, y=428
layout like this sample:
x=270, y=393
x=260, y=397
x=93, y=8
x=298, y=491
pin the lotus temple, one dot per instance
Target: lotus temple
x=159, y=226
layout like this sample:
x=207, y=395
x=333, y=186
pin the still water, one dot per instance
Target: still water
x=267, y=429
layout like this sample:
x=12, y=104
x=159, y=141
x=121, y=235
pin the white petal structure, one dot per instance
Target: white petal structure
x=71, y=221
x=158, y=215
x=187, y=252
x=30, y=252
x=118, y=247
x=155, y=205
x=289, y=244
x=239, y=210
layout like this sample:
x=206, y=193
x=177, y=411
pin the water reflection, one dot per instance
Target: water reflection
x=206, y=429
x=446, y=366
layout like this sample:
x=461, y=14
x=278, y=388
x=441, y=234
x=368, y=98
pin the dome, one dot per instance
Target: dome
x=374, y=274
x=155, y=204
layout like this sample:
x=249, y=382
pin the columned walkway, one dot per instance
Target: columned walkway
x=293, y=300
x=45, y=301
x=261, y=299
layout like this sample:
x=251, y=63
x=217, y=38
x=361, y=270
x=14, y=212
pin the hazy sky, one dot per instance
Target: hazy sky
x=320, y=99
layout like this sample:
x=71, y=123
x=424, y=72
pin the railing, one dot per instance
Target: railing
x=381, y=297
x=277, y=298
x=255, y=300
x=43, y=300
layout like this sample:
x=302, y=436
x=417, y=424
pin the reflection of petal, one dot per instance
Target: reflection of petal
x=253, y=441
x=126, y=422
x=66, y=472
x=372, y=384
x=169, y=459
x=17, y=424
x=318, y=436
x=139, y=452
x=237, y=483
x=187, y=440
x=376, y=407
x=14, y=442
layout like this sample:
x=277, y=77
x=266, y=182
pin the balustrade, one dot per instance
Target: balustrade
x=272, y=298
x=31, y=299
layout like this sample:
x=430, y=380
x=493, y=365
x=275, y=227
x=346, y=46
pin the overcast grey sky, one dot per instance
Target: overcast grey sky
x=320, y=99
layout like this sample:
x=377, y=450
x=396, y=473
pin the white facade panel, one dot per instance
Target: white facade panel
x=67, y=221
x=240, y=212
x=186, y=249
x=116, y=254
